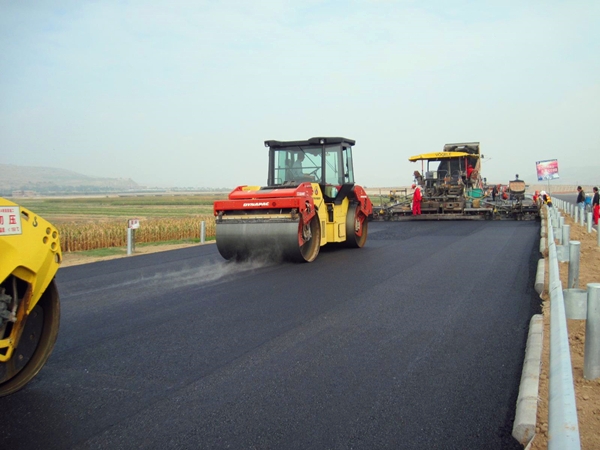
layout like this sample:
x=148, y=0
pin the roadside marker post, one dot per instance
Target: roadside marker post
x=132, y=225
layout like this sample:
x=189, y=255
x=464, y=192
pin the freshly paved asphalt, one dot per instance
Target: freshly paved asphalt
x=415, y=341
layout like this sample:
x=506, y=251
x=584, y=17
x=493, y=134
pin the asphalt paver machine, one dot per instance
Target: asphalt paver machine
x=451, y=184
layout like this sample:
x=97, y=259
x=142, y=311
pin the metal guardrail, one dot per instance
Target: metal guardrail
x=563, y=428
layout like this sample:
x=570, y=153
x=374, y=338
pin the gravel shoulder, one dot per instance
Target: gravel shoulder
x=78, y=258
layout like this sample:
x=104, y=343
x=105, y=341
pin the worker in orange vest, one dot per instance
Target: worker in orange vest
x=416, y=203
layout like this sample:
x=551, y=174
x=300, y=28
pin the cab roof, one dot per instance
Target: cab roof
x=311, y=141
x=468, y=147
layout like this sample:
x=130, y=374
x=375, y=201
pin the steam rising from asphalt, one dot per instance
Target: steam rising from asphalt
x=206, y=273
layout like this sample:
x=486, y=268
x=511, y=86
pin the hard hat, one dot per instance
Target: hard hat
x=414, y=186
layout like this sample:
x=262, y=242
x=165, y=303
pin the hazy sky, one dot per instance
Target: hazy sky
x=183, y=93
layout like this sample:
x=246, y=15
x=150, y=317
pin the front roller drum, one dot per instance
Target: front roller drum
x=36, y=343
x=356, y=227
x=269, y=240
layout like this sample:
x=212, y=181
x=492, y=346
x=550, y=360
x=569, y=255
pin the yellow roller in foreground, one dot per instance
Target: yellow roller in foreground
x=29, y=304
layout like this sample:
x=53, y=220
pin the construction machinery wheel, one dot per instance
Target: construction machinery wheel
x=356, y=228
x=36, y=343
x=311, y=231
x=269, y=240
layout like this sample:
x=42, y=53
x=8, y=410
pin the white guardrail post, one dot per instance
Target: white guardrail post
x=591, y=360
x=563, y=428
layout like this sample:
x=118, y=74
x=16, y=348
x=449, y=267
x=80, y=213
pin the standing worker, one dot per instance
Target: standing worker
x=580, y=199
x=416, y=203
x=596, y=206
x=546, y=199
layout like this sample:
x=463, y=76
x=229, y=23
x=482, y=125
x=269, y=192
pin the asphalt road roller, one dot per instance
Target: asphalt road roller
x=310, y=200
x=29, y=301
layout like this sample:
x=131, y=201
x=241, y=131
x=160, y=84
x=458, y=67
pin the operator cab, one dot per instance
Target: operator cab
x=326, y=161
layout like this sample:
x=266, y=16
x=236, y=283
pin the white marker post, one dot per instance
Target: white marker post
x=132, y=225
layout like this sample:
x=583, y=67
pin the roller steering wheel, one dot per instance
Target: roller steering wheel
x=314, y=174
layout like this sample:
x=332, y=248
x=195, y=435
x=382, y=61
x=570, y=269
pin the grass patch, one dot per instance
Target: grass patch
x=175, y=242
x=101, y=252
x=112, y=251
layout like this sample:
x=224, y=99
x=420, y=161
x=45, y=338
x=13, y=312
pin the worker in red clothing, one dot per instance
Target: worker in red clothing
x=469, y=171
x=596, y=206
x=416, y=203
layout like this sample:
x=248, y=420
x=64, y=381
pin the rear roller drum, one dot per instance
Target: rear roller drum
x=356, y=228
x=36, y=343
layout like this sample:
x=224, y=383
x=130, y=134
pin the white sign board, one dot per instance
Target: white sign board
x=134, y=224
x=10, y=220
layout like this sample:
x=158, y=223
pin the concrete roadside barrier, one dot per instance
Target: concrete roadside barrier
x=542, y=245
x=526, y=413
x=539, y=276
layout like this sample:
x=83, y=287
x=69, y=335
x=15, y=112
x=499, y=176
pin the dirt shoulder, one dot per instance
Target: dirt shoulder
x=77, y=258
x=587, y=392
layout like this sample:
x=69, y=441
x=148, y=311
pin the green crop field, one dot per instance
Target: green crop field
x=91, y=223
x=113, y=207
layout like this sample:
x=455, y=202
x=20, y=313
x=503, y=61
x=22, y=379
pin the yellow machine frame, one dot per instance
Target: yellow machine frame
x=31, y=254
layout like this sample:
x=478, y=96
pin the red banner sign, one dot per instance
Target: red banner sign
x=547, y=170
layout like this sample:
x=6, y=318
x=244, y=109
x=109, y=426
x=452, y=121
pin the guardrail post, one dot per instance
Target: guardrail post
x=561, y=233
x=576, y=216
x=591, y=359
x=566, y=234
x=582, y=218
x=202, y=232
x=556, y=227
x=574, y=255
x=129, y=241
x=589, y=222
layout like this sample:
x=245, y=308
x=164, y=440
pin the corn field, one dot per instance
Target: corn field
x=78, y=236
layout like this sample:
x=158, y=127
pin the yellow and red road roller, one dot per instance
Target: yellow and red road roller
x=310, y=200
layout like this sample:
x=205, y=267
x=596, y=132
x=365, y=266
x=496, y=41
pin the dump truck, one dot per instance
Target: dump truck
x=451, y=186
x=310, y=200
x=29, y=301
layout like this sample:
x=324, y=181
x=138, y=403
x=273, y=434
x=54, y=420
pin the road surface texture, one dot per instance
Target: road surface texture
x=415, y=341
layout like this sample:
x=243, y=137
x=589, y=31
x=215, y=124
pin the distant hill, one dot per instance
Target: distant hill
x=49, y=180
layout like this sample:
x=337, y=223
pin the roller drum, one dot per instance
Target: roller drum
x=268, y=240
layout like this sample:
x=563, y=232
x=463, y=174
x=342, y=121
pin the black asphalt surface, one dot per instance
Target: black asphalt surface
x=415, y=341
